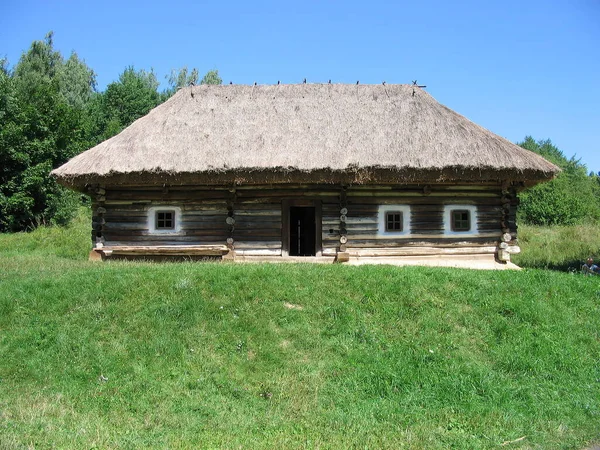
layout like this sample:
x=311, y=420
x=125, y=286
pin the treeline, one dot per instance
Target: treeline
x=51, y=110
x=572, y=198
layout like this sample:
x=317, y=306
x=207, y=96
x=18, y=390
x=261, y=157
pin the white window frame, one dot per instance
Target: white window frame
x=165, y=208
x=448, y=220
x=382, y=217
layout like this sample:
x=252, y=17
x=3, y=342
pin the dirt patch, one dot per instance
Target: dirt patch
x=292, y=306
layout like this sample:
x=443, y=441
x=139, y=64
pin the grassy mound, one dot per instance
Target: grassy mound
x=190, y=355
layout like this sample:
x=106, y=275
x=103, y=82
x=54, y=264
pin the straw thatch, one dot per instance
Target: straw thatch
x=306, y=132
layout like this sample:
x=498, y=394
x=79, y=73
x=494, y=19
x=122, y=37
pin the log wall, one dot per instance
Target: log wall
x=259, y=219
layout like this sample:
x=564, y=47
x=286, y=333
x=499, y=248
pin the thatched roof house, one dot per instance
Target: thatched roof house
x=327, y=136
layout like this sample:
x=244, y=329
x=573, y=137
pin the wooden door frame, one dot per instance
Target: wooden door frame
x=285, y=224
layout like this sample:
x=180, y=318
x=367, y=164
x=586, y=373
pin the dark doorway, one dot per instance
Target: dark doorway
x=303, y=234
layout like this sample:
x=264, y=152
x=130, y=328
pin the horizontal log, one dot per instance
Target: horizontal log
x=263, y=204
x=255, y=235
x=418, y=194
x=201, y=207
x=353, y=229
x=258, y=212
x=350, y=220
x=214, y=222
x=121, y=226
x=443, y=186
x=287, y=193
x=186, y=187
x=355, y=202
x=170, y=196
x=139, y=205
x=258, y=220
x=183, y=232
x=138, y=220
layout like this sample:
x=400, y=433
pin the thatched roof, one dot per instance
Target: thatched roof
x=307, y=132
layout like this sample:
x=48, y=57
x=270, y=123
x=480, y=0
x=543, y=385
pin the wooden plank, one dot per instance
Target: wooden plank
x=420, y=251
x=257, y=244
x=431, y=239
x=259, y=252
x=179, y=250
x=166, y=242
x=164, y=238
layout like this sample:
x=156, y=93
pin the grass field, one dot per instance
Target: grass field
x=562, y=248
x=184, y=355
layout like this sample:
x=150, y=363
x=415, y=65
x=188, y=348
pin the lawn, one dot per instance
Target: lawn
x=188, y=355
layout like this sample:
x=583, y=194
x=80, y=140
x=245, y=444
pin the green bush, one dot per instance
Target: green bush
x=572, y=198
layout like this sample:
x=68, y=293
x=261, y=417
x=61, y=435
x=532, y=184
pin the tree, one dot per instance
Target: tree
x=571, y=198
x=180, y=78
x=41, y=130
x=131, y=97
x=211, y=77
x=76, y=81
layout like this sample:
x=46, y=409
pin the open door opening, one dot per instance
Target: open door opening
x=303, y=231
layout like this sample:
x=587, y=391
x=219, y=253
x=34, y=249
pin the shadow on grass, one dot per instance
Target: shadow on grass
x=571, y=266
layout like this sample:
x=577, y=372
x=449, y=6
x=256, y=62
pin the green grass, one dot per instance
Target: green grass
x=562, y=248
x=290, y=356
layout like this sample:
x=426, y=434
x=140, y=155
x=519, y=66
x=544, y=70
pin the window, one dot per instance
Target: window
x=165, y=220
x=461, y=220
x=394, y=221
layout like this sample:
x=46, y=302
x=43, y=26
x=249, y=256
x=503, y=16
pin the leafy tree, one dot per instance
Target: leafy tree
x=41, y=130
x=571, y=198
x=180, y=78
x=211, y=77
x=77, y=82
x=183, y=77
x=131, y=97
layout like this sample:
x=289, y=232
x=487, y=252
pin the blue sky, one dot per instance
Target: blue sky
x=515, y=67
